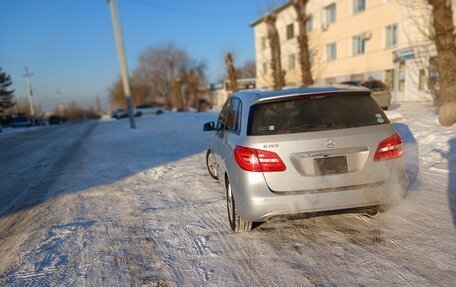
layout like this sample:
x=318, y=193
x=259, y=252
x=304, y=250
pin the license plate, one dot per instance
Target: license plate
x=330, y=165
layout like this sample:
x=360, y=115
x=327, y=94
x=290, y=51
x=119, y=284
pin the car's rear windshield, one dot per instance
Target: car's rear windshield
x=314, y=113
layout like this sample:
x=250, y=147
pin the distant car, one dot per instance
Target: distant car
x=119, y=114
x=380, y=91
x=56, y=120
x=317, y=149
x=37, y=121
x=123, y=113
x=21, y=122
x=150, y=109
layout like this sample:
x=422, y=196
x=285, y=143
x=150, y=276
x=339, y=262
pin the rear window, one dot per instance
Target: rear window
x=318, y=113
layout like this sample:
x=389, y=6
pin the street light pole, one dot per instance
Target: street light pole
x=121, y=53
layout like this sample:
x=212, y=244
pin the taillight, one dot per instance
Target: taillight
x=389, y=148
x=246, y=158
x=257, y=160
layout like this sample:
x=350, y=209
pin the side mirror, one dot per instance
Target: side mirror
x=210, y=126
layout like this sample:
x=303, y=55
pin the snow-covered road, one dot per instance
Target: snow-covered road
x=98, y=204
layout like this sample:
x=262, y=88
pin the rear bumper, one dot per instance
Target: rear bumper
x=258, y=203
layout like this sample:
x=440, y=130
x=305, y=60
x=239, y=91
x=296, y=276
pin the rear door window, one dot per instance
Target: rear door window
x=237, y=124
x=233, y=116
x=222, y=117
x=314, y=113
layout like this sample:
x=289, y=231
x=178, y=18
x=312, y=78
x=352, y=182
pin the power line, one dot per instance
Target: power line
x=190, y=12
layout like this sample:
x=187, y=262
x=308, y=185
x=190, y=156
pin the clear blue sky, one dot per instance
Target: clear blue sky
x=69, y=44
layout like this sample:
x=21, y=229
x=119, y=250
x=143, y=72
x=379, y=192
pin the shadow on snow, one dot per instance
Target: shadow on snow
x=39, y=165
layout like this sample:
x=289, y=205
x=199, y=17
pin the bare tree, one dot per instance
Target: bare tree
x=139, y=94
x=303, y=43
x=247, y=70
x=159, y=65
x=445, y=41
x=154, y=80
x=231, y=72
x=75, y=112
x=176, y=99
x=116, y=95
x=278, y=75
x=193, y=88
x=22, y=106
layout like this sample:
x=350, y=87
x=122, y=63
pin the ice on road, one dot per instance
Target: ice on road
x=99, y=204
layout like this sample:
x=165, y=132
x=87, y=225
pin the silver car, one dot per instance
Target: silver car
x=308, y=150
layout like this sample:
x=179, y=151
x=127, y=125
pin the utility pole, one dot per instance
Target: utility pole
x=116, y=23
x=27, y=76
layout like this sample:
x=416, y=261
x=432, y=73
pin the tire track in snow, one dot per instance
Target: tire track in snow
x=203, y=234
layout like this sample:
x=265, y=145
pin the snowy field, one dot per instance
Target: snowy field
x=110, y=206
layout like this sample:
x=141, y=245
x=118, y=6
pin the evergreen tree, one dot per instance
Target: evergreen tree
x=6, y=95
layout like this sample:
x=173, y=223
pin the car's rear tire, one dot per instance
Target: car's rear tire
x=237, y=224
x=211, y=164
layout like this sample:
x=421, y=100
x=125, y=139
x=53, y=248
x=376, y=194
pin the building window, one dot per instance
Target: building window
x=358, y=45
x=330, y=14
x=290, y=31
x=422, y=84
x=359, y=6
x=291, y=62
x=401, y=76
x=309, y=24
x=389, y=78
x=391, y=36
x=265, y=68
x=331, y=52
x=263, y=43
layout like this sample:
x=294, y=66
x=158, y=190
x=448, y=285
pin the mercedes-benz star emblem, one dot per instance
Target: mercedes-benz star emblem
x=330, y=143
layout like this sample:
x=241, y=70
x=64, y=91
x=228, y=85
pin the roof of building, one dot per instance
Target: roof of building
x=276, y=10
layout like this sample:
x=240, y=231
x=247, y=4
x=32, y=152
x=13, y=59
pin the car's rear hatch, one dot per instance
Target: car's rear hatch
x=326, y=141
